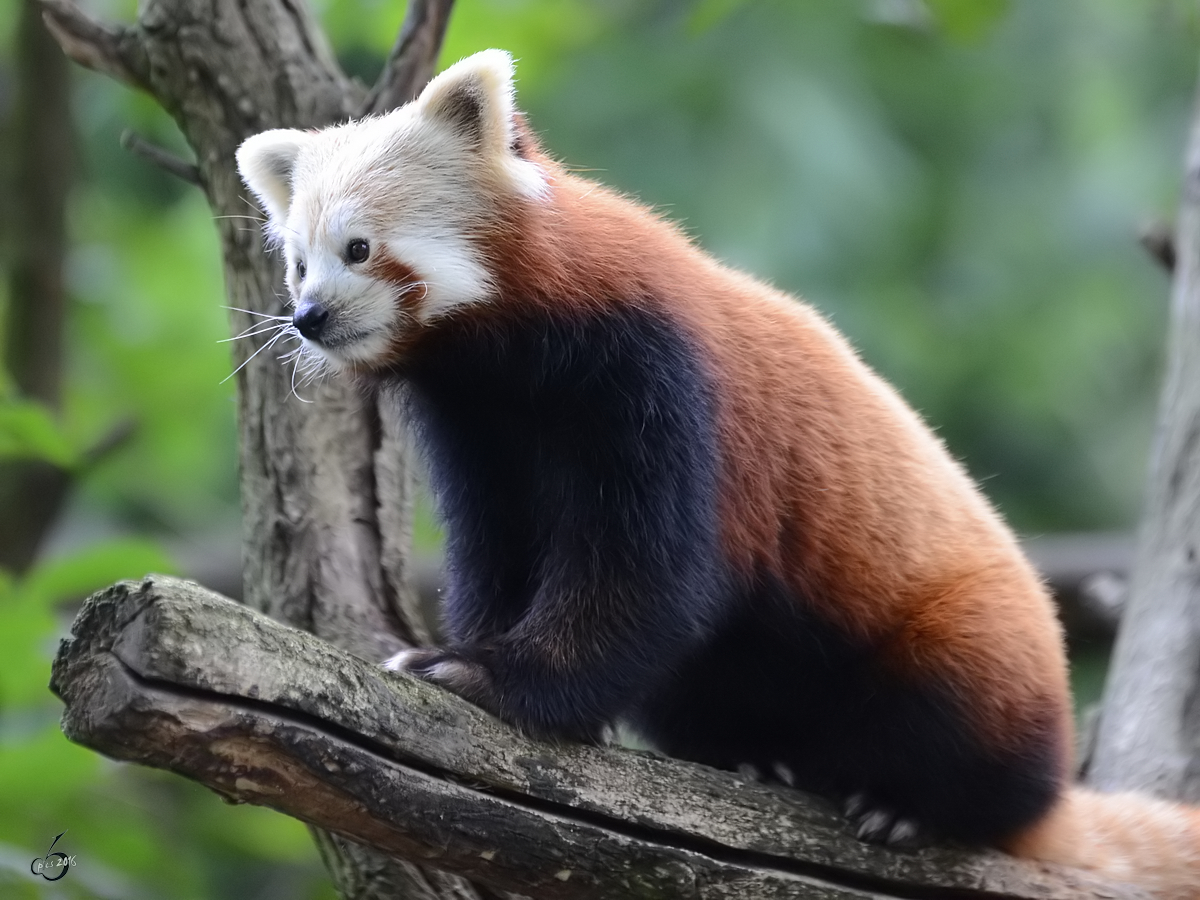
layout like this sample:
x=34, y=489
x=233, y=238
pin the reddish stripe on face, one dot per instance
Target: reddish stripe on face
x=409, y=290
x=409, y=293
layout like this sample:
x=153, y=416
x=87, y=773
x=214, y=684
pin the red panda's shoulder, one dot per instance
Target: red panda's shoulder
x=585, y=246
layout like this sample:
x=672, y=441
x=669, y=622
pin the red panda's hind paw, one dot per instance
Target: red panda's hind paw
x=468, y=679
x=879, y=825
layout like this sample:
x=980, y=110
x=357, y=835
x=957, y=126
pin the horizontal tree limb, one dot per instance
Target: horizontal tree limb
x=168, y=674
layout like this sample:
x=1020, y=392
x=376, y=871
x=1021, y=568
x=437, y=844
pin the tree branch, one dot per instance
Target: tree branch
x=1150, y=725
x=167, y=674
x=163, y=159
x=1158, y=240
x=40, y=146
x=109, y=49
x=410, y=64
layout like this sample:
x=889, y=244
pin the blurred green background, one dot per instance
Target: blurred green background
x=958, y=184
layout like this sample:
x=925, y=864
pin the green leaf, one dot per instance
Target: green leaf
x=28, y=431
x=968, y=21
x=25, y=651
x=27, y=609
x=84, y=571
x=708, y=14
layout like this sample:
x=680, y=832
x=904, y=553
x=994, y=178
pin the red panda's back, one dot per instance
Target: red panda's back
x=830, y=482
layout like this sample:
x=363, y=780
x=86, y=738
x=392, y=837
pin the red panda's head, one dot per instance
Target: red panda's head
x=376, y=217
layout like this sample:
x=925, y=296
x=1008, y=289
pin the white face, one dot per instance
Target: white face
x=377, y=237
x=376, y=217
x=343, y=312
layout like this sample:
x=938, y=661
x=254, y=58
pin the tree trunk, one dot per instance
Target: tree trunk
x=1149, y=732
x=326, y=486
x=40, y=178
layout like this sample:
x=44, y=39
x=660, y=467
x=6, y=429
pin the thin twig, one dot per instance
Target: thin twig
x=410, y=64
x=1158, y=239
x=110, y=49
x=160, y=157
x=117, y=436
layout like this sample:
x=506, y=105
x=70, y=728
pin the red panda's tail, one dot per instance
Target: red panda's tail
x=1128, y=838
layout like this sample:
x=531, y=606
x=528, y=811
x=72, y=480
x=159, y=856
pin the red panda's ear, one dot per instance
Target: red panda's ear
x=266, y=162
x=474, y=99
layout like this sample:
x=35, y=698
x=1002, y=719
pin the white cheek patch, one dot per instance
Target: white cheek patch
x=450, y=270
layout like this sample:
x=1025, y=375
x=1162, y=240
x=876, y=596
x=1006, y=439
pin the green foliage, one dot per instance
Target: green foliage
x=968, y=20
x=28, y=431
x=145, y=334
x=708, y=14
x=136, y=833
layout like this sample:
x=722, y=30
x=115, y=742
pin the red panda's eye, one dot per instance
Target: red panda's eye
x=301, y=269
x=358, y=250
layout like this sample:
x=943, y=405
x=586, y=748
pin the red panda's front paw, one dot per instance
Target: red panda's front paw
x=468, y=679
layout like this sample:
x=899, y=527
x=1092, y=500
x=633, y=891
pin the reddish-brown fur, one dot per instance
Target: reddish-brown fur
x=1127, y=837
x=832, y=483
x=410, y=293
x=386, y=267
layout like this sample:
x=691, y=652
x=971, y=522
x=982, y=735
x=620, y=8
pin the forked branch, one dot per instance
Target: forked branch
x=110, y=49
x=411, y=63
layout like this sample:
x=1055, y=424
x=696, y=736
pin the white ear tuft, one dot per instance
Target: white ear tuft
x=474, y=98
x=265, y=162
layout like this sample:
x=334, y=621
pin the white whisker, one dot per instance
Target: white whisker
x=311, y=367
x=254, y=331
x=261, y=315
x=295, y=366
x=246, y=362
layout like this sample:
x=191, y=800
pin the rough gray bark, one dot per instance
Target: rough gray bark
x=168, y=674
x=325, y=485
x=1149, y=732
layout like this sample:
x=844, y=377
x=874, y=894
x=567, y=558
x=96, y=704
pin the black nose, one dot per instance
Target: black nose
x=310, y=319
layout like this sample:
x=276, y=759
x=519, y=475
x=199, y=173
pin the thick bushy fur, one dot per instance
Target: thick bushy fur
x=675, y=497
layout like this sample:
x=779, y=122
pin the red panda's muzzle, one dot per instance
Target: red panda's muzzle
x=310, y=320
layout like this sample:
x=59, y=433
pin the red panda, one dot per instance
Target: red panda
x=677, y=500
